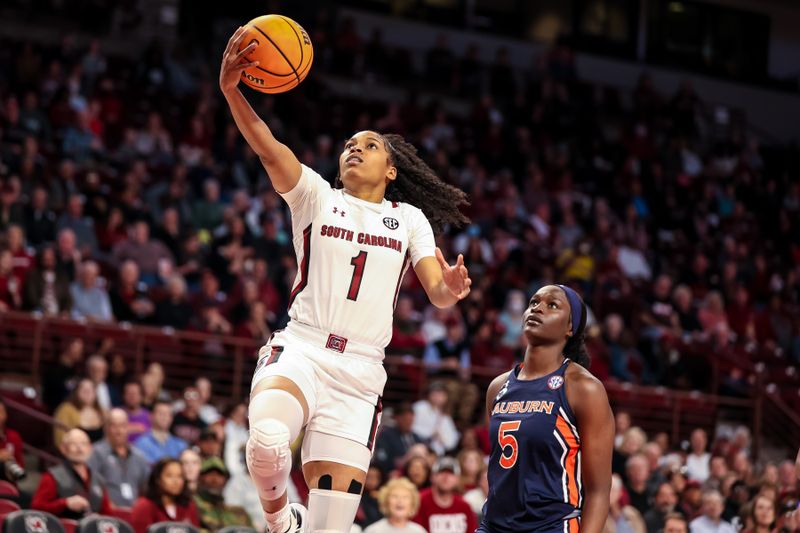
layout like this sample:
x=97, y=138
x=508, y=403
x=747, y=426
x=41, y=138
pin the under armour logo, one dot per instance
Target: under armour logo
x=336, y=210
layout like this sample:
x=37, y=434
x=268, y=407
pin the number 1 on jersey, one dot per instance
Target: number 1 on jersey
x=505, y=440
x=358, y=273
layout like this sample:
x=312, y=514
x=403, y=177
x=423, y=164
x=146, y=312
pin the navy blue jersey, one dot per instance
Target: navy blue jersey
x=535, y=465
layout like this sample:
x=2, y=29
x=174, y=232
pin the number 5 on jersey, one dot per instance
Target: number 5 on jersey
x=506, y=440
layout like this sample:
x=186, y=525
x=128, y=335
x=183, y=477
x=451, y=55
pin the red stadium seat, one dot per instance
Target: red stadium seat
x=69, y=525
x=8, y=490
x=7, y=506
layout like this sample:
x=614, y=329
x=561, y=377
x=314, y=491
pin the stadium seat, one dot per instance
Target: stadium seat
x=27, y=521
x=237, y=529
x=69, y=525
x=8, y=490
x=8, y=506
x=172, y=527
x=103, y=524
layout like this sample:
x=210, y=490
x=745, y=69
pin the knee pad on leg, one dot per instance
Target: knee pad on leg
x=269, y=457
x=276, y=418
x=331, y=511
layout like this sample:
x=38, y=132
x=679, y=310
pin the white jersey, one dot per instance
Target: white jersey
x=352, y=255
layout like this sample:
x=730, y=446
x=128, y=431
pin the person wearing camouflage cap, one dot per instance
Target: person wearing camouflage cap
x=214, y=512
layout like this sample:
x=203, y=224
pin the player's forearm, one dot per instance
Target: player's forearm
x=441, y=296
x=595, y=511
x=255, y=131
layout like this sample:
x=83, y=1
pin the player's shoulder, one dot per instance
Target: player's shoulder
x=497, y=383
x=582, y=385
x=406, y=210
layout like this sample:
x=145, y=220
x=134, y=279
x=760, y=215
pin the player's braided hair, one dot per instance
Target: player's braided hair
x=417, y=184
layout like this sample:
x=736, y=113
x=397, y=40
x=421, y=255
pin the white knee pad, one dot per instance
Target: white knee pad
x=331, y=511
x=276, y=418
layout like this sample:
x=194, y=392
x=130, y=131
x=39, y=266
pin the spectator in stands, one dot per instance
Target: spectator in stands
x=393, y=442
x=208, y=412
x=432, y=423
x=675, y=523
x=129, y=299
x=142, y=250
x=477, y=496
x=418, y=470
x=97, y=371
x=190, y=463
x=398, y=501
x=449, y=362
x=159, y=443
x=68, y=256
x=633, y=441
x=80, y=410
x=471, y=462
x=58, y=380
x=664, y=503
x=46, y=287
x=174, y=310
x=89, y=298
x=711, y=520
x=138, y=417
x=82, y=227
x=123, y=468
x=10, y=283
x=441, y=508
x=787, y=478
x=166, y=499
x=71, y=490
x=39, y=219
x=762, y=515
x=698, y=460
x=637, y=469
x=187, y=424
x=622, y=517
x=10, y=449
x=213, y=512
x=209, y=444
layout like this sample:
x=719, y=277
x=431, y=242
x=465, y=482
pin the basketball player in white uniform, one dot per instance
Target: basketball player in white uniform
x=324, y=372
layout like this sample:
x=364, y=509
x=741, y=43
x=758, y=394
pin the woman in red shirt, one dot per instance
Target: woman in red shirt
x=167, y=498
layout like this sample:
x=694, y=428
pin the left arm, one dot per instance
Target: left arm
x=589, y=402
x=444, y=284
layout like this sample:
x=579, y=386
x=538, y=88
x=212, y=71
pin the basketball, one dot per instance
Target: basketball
x=283, y=51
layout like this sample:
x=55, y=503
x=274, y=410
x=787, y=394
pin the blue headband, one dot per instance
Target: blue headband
x=576, y=307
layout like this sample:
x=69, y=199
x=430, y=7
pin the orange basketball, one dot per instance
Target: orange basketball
x=283, y=51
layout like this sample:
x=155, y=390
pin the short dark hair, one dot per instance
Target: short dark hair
x=154, y=492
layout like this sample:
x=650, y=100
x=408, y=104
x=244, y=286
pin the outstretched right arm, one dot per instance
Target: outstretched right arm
x=279, y=161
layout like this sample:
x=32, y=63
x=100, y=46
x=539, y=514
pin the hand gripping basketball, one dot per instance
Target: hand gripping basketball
x=232, y=61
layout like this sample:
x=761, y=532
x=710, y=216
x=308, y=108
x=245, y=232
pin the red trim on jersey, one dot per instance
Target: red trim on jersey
x=400, y=279
x=373, y=430
x=394, y=205
x=303, y=265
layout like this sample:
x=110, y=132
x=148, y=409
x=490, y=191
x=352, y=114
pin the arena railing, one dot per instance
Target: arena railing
x=31, y=343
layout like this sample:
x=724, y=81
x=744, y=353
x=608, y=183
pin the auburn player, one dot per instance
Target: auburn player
x=551, y=427
x=324, y=372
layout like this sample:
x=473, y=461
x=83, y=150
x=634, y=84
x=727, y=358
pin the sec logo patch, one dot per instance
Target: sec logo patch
x=555, y=382
x=391, y=223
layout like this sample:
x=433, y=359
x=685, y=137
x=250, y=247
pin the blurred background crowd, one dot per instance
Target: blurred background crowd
x=127, y=195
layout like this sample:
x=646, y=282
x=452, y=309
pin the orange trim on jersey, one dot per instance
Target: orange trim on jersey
x=570, y=463
x=574, y=525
